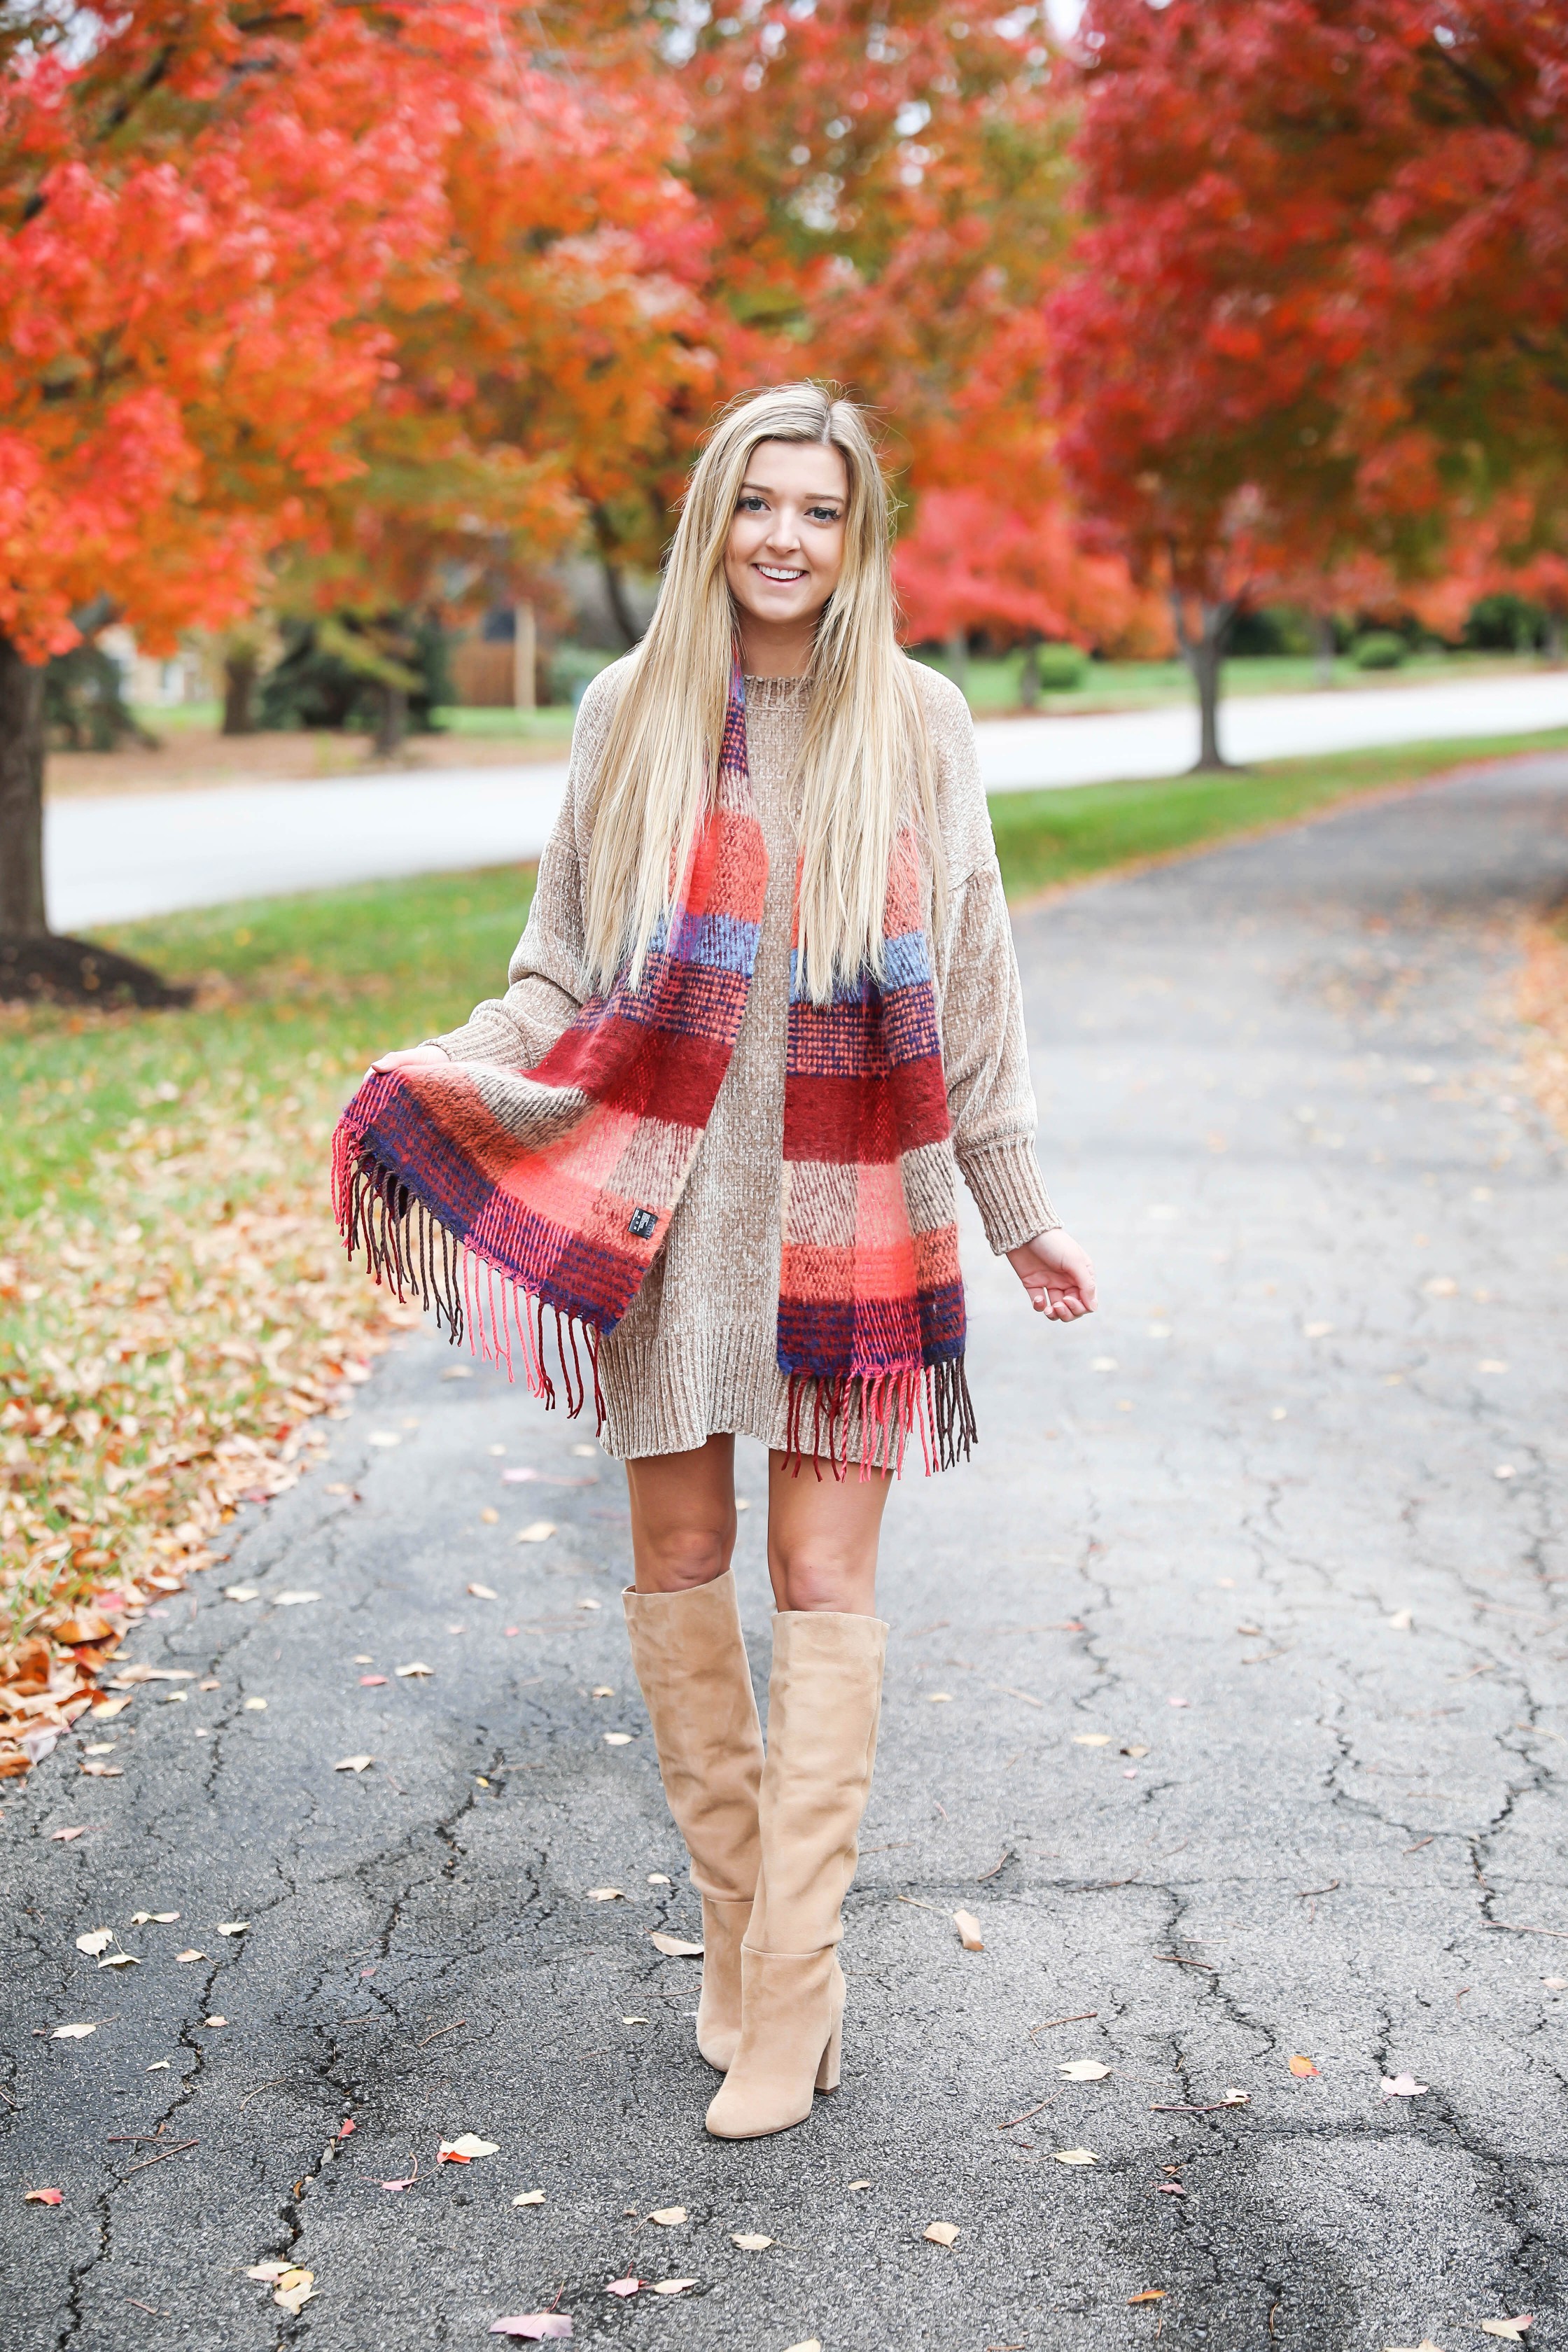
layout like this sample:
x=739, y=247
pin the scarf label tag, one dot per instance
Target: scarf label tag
x=642, y=1222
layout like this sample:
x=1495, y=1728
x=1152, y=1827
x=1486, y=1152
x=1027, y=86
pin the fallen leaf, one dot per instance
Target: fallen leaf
x=103, y=1771
x=354, y=1764
x=293, y=1600
x=255, y=1707
x=969, y=1934
x=483, y=1592
x=1302, y=2066
x=1401, y=1621
x=668, y=2217
x=603, y=1690
x=418, y=1667
x=190, y=1956
x=637, y=2021
x=751, y=2241
x=536, y=1532
x=72, y=2032
x=120, y=1960
x=1317, y=1330
x=83, y=1625
x=1135, y=1750
x=1504, y=1470
x=269, y=2272
x=104, y=1710
x=618, y=1738
x=214, y=2022
x=1169, y=2188
x=590, y=1604
x=371, y=1682
x=605, y=1895
x=1511, y=2329
x=859, y=2184
x=940, y=2234
x=622, y=2286
x=66, y=1835
x=1084, y=2069
x=1091, y=1740
x=160, y=2066
x=1176, y=1701
x=234, y=1926
x=294, y=2290
x=242, y=1593
x=466, y=2148
x=384, y=1437
x=1150, y=2294
x=1075, y=2156
x=397, y=2187
x=530, y=2197
x=662, y=1878
x=98, y=1941
x=1425, y=2345
x=1402, y=2086
x=673, y=2286
x=347, y=2126
x=43, y=2195
x=98, y=1747
x=489, y=1517
x=672, y=1947
x=164, y=1918
x=537, y=2324
x=939, y=1698
x=812, y=2344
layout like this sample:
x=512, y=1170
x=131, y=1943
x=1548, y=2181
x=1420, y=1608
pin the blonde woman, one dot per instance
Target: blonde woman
x=705, y=1149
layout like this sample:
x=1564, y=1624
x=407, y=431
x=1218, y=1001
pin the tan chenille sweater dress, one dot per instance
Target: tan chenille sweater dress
x=695, y=1352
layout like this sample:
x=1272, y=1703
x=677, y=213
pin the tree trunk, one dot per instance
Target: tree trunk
x=1323, y=648
x=524, y=658
x=1555, y=647
x=239, y=673
x=22, y=914
x=1204, y=654
x=958, y=661
x=1030, y=675
x=391, y=720
x=615, y=590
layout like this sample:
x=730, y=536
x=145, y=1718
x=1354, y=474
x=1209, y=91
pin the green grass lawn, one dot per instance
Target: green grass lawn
x=297, y=993
x=992, y=685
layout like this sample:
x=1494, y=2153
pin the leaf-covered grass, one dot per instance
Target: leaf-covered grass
x=1046, y=838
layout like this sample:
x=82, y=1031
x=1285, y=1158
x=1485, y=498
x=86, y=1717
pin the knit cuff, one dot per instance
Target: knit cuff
x=1010, y=1195
x=478, y=1041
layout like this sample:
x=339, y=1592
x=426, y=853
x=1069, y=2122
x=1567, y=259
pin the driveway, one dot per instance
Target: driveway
x=1226, y=1691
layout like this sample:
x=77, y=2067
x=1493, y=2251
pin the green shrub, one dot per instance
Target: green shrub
x=1379, y=649
x=1052, y=669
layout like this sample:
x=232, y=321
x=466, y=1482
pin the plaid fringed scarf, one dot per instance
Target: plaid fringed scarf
x=502, y=1197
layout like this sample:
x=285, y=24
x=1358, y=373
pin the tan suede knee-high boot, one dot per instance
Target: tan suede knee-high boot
x=825, y=1698
x=691, y=1661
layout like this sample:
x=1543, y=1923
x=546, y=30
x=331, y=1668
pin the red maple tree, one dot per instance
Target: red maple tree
x=1321, y=302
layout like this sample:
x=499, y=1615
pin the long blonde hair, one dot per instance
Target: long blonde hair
x=865, y=765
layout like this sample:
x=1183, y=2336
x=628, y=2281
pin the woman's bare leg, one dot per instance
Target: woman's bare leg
x=822, y=1536
x=683, y=1516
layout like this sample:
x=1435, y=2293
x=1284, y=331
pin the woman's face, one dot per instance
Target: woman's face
x=785, y=549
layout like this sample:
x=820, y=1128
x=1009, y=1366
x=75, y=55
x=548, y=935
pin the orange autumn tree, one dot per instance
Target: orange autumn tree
x=199, y=209
x=531, y=394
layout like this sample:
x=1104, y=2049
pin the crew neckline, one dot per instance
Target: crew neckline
x=770, y=686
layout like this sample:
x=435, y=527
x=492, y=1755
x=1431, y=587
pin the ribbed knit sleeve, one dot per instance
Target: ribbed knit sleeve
x=545, y=987
x=985, y=1056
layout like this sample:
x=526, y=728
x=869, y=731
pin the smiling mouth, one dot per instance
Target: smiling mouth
x=776, y=572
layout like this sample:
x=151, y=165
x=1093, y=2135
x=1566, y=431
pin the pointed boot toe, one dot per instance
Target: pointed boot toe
x=792, y=2011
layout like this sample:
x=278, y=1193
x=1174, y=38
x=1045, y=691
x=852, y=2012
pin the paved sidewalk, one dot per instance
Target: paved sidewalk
x=112, y=860
x=1226, y=1689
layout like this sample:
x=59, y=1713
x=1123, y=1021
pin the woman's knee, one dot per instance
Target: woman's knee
x=681, y=1557
x=810, y=1577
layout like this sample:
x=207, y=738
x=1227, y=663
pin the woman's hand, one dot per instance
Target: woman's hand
x=410, y=1057
x=1057, y=1275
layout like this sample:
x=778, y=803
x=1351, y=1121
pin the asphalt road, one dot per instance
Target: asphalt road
x=113, y=859
x=1226, y=1690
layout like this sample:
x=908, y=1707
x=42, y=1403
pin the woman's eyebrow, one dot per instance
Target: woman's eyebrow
x=810, y=497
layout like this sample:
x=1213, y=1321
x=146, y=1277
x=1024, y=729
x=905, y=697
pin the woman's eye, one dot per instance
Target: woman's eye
x=823, y=514
x=751, y=504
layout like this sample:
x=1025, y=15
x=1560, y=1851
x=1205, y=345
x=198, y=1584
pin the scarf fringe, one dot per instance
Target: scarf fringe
x=410, y=1253
x=413, y=1254
x=886, y=1409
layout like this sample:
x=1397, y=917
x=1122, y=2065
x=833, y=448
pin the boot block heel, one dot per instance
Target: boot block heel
x=827, y=2073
